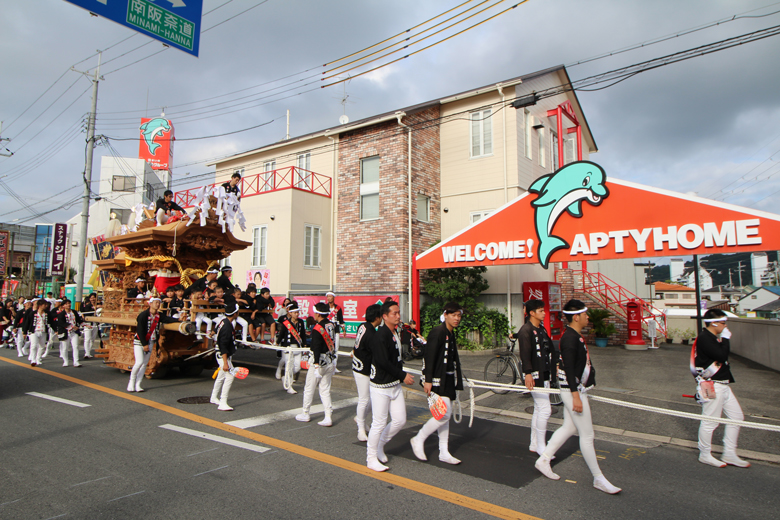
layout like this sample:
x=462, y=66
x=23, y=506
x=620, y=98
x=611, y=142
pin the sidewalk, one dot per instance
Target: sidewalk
x=652, y=377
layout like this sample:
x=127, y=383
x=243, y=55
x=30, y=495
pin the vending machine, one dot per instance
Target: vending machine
x=550, y=294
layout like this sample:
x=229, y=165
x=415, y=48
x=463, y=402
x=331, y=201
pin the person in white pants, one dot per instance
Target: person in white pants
x=147, y=333
x=38, y=331
x=711, y=365
x=336, y=317
x=387, y=373
x=577, y=376
x=226, y=346
x=242, y=304
x=200, y=317
x=22, y=349
x=540, y=361
x=361, y=365
x=54, y=312
x=68, y=322
x=292, y=332
x=441, y=375
x=164, y=206
x=321, y=371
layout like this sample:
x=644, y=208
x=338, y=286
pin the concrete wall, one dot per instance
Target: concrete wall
x=756, y=340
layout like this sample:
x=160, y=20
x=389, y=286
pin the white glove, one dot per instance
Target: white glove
x=725, y=334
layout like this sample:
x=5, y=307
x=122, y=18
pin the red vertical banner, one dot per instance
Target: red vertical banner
x=58, y=246
x=156, y=146
x=5, y=239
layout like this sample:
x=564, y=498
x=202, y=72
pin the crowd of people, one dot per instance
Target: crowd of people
x=377, y=361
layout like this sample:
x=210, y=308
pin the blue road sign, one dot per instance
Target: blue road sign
x=173, y=22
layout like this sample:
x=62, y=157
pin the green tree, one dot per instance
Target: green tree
x=460, y=284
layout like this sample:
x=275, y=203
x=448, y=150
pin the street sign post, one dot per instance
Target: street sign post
x=173, y=22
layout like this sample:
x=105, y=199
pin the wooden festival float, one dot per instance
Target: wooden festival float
x=177, y=247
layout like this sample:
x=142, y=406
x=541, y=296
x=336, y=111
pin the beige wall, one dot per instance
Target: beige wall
x=292, y=209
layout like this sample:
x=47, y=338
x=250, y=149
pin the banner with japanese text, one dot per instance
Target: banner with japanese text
x=58, y=244
x=353, y=308
x=5, y=238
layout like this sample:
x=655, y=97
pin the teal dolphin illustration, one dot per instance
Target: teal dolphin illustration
x=562, y=191
x=153, y=128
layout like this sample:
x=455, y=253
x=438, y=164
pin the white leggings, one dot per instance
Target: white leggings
x=363, y=384
x=296, y=361
x=580, y=423
x=37, y=344
x=20, y=341
x=73, y=341
x=318, y=377
x=244, y=327
x=201, y=318
x=90, y=335
x=139, y=369
x=724, y=402
x=542, y=412
x=162, y=218
x=224, y=380
x=384, y=400
x=442, y=426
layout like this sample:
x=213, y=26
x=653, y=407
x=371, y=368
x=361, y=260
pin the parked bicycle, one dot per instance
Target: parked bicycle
x=506, y=367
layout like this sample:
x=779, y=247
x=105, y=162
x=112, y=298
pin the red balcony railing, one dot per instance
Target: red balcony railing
x=290, y=178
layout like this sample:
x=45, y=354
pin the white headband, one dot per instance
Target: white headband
x=154, y=299
x=323, y=313
x=290, y=305
x=231, y=313
x=139, y=280
x=713, y=320
x=330, y=294
x=576, y=312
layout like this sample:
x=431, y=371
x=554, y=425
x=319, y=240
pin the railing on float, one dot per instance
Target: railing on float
x=288, y=178
x=614, y=297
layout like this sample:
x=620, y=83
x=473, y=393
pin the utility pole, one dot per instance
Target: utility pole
x=698, y=294
x=87, y=187
x=740, y=274
x=10, y=153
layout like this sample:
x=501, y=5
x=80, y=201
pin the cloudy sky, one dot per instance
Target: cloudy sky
x=706, y=125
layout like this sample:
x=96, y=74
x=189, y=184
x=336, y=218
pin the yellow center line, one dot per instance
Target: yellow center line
x=406, y=483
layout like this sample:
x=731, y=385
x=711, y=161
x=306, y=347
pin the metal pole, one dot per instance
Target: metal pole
x=87, y=188
x=698, y=293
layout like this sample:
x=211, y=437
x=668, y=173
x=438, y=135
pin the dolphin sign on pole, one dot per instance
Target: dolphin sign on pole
x=156, y=142
x=173, y=22
x=577, y=213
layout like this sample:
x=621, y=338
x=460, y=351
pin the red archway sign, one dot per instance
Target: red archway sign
x=577, y=214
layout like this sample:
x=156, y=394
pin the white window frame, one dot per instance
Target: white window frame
x=528, y=134
x=485, y=127
x=260, y=246
x=542, y=146
x=268, y=175
x=569, y=150
x=476, y=216
x=554, y=150
x=312, y=258
x=369, y=189
x=426, y=200
x=303, y=178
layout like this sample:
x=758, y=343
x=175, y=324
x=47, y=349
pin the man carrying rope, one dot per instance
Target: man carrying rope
x=577, y=376
x=291, y=334
x=441, y=373
x=710, y=367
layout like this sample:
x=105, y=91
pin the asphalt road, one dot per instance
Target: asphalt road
x=146, y=456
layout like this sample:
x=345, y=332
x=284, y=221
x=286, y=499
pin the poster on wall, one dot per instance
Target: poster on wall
x=260, y=277
x=353, y=308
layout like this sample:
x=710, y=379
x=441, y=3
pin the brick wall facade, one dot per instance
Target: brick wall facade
x=372, y=256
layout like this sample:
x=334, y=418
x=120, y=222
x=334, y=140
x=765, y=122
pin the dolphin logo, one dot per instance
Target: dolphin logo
x=562, y=191
x=153, y=128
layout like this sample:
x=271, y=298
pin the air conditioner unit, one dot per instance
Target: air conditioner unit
x=536, y=122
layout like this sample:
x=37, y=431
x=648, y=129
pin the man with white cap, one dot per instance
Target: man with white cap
x=291, y=334
x=201, y=284
x=321, y=367
x=226, y=347
x=710, y=367
x=147, y=333
x=336, y=317
x=22, y=349
x=139, y=291
x=577, y=376
x=224, y=280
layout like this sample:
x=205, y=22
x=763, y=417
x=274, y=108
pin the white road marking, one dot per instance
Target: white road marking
x=204, y=451
x=287, y=414
x=59, y=399
x=209, y=471
x=90, y=481
x=130, y=495
x=216, y=438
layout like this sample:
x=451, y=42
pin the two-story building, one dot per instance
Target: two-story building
x=345, y=208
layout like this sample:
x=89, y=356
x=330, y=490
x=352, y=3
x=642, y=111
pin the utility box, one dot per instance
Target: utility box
x=634, y=314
